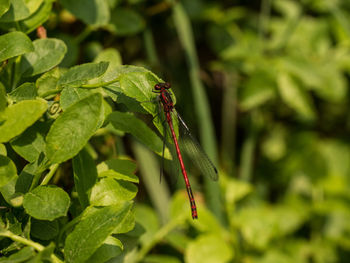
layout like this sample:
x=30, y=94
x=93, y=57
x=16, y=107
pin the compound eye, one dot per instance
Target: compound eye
x=157, y=87
x=167, y=85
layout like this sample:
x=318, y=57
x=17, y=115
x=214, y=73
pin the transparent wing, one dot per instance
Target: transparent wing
x=193, y=149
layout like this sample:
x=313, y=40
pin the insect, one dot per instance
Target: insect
x=188, y=141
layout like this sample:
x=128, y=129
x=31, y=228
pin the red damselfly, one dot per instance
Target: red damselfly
x=191, y=145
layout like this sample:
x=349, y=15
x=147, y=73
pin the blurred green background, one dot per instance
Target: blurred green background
x=264, y=87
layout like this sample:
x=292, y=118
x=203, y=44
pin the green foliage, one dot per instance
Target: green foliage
x=46, y=202
x=77, y=108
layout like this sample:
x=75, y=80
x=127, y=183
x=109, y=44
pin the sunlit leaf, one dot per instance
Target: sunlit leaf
x=46, y=202
x=109, y=192
x=295, y=96
x=14, y=44
x=18, y=117
x=208, y=248
x=47, y=54
x=92, y=232
x=73, y=128
x=78, y=75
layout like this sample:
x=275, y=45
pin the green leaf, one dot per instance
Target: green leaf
x=10, y=195
x=21, y=256
x=26, y=91
x=26, y=177
x=44, y=230
x=85, y=176
x=3, y=150
x=236, y=190
x=118, y=169
x=47, y=83
x=34, y=20
x=18, y=117
x=260, y=225
x=110, y=192
x=92, y=232
x=123, y=166
x=38, y=18
x=110, y=248
x=179, y=240
x=79, y=75
x=295, y=96
x=45, y=254
x=127, y=122
x=73, y=128
x=127, y=224
x=147, y=218
x=71, y=95
x=7, y=170
x=4, y=6
x=31, y=143
x=14, y=44
x=208, y=249
x=3, y=99
x=91, y=12
x=259, y=89
x=18, y=10
x=179, y=206
x=125, y=22
x=73, y=50
x=119, y=176
x=161, y=259
x=139, y=85
x=47, y=54
x=46, y=202
x=112, y=56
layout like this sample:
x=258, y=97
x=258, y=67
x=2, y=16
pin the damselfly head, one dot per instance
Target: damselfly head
x=161, y=86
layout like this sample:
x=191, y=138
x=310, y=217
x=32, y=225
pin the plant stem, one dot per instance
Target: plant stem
x=248, y=151
x=87, y=30
x=149, y=169
x=229, y=118
x=150, y=47
x=53, y=169
x=28, y=242
x=162, y=232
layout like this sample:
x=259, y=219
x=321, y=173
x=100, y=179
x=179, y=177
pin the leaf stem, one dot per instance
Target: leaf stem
x=101, y=84
x=28, y=242
x=53, y=169
x=87, y=30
